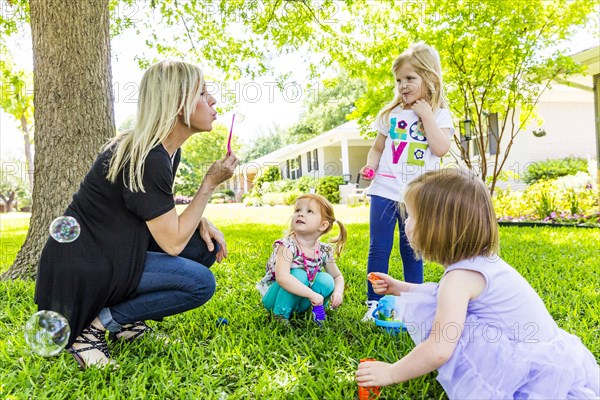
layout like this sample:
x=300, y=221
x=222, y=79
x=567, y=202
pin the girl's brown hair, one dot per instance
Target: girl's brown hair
x=453, y=216
x=328, y=215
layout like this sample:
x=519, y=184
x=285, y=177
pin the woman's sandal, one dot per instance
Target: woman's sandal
x=130, y=332
x=93, y=337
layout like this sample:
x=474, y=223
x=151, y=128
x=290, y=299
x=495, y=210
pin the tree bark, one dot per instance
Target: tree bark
x=73, y=110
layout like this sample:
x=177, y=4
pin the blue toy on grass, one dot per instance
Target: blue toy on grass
x=385, y=315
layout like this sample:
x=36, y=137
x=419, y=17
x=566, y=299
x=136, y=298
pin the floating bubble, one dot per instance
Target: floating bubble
x=64, y=229
x=47, y=333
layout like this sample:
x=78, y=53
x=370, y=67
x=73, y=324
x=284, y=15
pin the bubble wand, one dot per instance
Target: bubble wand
x=230, y=134
x=369, y=174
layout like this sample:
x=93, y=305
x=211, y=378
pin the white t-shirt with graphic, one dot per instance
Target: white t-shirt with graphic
x=406, y=154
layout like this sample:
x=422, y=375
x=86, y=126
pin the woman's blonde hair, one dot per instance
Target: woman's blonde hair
x=454, y=218
x=168, y=88
x=426, y=62
x=328, y=215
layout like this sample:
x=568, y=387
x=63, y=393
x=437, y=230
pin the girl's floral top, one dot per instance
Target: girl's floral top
x=299, y=260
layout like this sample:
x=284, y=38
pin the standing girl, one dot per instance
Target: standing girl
x=414, y=131
x=301, y=270
x=484, y=328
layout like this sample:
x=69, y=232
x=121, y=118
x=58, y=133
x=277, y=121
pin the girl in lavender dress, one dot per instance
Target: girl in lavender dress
x=484, y=328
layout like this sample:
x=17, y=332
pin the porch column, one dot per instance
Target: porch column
x=345, y=159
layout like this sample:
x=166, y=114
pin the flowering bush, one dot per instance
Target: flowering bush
x=571, y=199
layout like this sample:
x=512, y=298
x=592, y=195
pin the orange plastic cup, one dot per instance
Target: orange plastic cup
x=368, y=392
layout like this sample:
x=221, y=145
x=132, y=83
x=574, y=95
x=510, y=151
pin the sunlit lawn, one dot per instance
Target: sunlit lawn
x=253, y=356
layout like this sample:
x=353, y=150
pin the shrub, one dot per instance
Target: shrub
x=569, y=199
x=329, y=187
x=277, y=186
x=551, y=169
x=275, y=198
x=252, y=201
x=291, y=196
x=270, y=174
x=305, y=183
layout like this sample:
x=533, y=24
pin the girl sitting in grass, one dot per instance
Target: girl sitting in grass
x=484, y=328
x=301, y=270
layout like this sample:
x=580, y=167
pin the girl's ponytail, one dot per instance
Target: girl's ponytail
x=340, y=241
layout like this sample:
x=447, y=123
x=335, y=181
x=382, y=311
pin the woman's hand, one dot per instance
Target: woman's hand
x=220, y=171
x=374, y=373
x=336, y=299
x=208, y=232
x=383, y=283
x=316, y=299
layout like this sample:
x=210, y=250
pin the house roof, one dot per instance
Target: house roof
x=589, y=57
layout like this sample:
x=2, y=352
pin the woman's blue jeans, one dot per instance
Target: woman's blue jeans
x=169, y=285
x=384, y=215
x=282, y=302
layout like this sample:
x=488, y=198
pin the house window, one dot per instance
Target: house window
x=294, y=168
x=491, y=137
x=315, y=160
x=308, y=161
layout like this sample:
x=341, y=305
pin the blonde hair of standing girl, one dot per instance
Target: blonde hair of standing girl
x=426, y=61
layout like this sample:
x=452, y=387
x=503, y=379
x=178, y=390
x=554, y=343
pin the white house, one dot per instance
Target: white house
x=341, y=151
x=567, y=112
x=567, y=121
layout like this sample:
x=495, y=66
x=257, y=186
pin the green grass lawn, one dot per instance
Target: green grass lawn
x=255, y=357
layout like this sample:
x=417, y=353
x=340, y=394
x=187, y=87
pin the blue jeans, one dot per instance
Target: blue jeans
x=169, y=285
x=282, y=302
x=384, y=215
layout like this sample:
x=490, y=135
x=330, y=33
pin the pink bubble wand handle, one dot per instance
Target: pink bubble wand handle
x=230, y=134
x=369, y=174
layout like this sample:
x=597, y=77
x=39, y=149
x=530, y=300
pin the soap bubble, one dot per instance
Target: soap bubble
x=64, y=229
x=47, y=333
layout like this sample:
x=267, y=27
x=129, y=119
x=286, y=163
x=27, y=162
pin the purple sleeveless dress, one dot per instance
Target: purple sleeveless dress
x=510, y=347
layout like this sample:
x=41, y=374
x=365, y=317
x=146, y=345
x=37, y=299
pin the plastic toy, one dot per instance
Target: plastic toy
x=385, y=315
x=369, y=174
x=319, y=315
x=372, y=277
x=368, y=392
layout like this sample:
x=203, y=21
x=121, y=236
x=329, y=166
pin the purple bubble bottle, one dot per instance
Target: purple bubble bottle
x=319, y=314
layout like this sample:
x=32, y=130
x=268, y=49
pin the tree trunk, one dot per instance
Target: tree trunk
x=73, y=110
x=9, y=201
x=27, y=144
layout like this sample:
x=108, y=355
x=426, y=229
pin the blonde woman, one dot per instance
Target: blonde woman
x=108, y=279
x=414, y=132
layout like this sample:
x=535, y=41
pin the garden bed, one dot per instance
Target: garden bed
x=530, y=224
